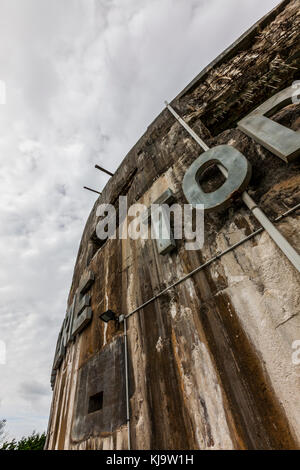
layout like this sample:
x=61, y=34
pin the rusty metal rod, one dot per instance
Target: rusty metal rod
x=210, y=261
x=127, y=383
x=93, y=190
x=104, y=171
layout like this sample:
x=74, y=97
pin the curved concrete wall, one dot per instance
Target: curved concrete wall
x=210, y=361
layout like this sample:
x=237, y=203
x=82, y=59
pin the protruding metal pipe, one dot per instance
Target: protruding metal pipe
x=104, y=171
x=127, y=383
x=210, y=261
x=276, y=236
x=187, y=127
x=93, y=190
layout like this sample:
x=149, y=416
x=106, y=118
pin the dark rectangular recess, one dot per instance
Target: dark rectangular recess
x=95, y=402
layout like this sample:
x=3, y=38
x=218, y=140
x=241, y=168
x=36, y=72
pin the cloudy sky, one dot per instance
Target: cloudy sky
x=84, y=79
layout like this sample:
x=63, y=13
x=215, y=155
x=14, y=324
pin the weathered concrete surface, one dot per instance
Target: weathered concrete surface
x=211, y=360
x=104, y=373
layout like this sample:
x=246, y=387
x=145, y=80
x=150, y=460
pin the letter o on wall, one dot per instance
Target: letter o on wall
x=239, y=174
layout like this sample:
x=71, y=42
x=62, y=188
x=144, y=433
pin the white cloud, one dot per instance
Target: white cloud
x=83, y=81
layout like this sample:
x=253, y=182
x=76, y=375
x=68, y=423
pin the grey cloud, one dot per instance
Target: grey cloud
x=32, y=390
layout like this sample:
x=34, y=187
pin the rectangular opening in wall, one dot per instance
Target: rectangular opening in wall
x=95, y=402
